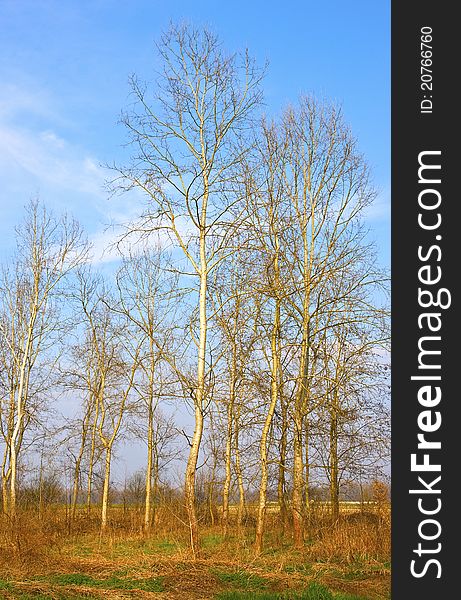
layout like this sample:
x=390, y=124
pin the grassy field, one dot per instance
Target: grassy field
x=44, y=559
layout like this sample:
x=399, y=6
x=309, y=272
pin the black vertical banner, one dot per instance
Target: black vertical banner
x=426, y=236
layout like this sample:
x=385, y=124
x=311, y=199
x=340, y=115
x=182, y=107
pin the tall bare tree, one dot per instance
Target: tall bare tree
x=48, y=250
x=116, y=364
x=234, y=317
x=265, y=193
x=187, y=141
x=146, y=294
x=327, y=187
x=354, y=421
x=81, y=377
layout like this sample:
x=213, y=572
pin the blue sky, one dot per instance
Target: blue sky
x=64, y=67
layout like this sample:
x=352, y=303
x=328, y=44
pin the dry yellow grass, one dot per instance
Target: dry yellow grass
x=351, y=556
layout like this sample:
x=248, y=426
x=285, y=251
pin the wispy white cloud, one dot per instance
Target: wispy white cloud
x=36, y=157
x=104, y=248
x=109, y=244
x=16, y=100
x=49, y=137
x=48, y=159
x=33, y=149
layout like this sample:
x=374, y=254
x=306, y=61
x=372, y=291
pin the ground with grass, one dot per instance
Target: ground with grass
x=195, y=580
x=42, y=560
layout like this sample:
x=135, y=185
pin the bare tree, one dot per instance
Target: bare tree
x=327, y=187
x=82, y=381
x=48, y=250
x=146, y=291
x=354, y=421
x=265, y=192
x=234, y=316
x=116, y=364
x=187, y=143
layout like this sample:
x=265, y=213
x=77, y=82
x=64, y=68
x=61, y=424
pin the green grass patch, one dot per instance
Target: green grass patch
x=146, y=547
x=5, y=585
x=151, y=584
x=348, y=597
x=124, y=549
x=66, y=596
x=358, y=571
x=73, y=579
x=315, y=591
x=305, y=569
x=234, y=595
x=212, y=540
x=165, y=547
x=38, y=596
x=242, y=580
x=355, y=575
x=83, y=551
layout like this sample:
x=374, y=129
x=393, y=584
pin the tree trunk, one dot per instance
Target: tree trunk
x=5, y=495
x=190, y=482
x=228, y=456
x=78, y=462
x=13, y=466
x=281, y=484
x=150, y=449
x=105, y=491
x=6, y=462
x=199, y=396
x=14, y=446
x=155, y=487
x=5, y=480
x=263, y=450
x=23, y=388
x=75, y=489
x=91, y=460
x=210, y=500
x=300, y=413
x=40, y=488
x=238, y=473
x=298, y=480
x=334, y=482
x=306, y=468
